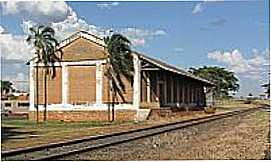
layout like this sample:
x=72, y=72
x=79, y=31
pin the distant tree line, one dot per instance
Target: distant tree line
x=225, y=81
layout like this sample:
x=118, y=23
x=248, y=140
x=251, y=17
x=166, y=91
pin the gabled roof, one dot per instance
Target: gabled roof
x=172, y=68
x=82, y=34
x=158, y=63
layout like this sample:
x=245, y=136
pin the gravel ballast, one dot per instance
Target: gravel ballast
x=239, y=137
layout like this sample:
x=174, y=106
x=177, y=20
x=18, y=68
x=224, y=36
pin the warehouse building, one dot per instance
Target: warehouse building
x=80, y=90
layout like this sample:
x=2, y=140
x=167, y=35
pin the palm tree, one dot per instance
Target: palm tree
x=6, y=87
x=119, y=63
x=43, y=39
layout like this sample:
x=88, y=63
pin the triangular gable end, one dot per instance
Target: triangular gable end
x=82, y=48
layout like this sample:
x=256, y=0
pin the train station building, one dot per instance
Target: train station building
x=80, y=90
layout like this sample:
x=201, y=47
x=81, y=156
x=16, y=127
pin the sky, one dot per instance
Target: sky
x=229, y=34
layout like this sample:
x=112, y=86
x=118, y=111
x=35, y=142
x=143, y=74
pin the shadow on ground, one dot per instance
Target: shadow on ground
x=13, y=133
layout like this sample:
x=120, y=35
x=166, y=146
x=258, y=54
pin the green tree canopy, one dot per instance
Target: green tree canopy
x=224, y=80
x=43, y=40
x=120, y=62
x=6, y=86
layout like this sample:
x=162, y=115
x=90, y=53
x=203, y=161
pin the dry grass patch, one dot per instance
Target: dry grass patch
x=225, y=105
x=22, y=133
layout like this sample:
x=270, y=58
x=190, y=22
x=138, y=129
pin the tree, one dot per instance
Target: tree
x=6, y=86
x=225, y=81
x=267, y=89
x=119, y=64
x=42, y=38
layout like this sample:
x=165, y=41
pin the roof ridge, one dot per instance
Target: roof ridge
x=81, y=34
x=100, y=41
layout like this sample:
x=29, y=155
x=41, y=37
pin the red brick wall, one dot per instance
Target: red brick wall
x=54, y=86
x=82, y=84
x=82, y=49
x=120, y=115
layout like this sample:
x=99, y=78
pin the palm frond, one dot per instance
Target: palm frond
x=120, y=62
x=45, y=43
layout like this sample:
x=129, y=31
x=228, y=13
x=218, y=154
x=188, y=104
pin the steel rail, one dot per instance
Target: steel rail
x=149, y=131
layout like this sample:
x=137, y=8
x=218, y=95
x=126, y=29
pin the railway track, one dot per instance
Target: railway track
x=59, y=150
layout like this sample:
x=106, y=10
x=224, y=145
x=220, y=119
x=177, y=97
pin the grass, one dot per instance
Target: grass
x=22, y=133
x=233, y=104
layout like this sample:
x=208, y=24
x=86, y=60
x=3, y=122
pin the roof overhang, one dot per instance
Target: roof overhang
x=173, y=69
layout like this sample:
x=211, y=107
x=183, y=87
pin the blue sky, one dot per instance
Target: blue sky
x=231, y=34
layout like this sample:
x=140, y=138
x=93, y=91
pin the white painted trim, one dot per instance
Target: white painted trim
x=65, y=84
x=31, y=87
x=90, y=107
x=88, y=62
x=99, y=83
x=148, y=89
x=137, y=81
x=82, y=34
x=157, y=89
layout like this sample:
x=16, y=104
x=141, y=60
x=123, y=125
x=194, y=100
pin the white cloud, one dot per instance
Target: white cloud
x=107, y=5
x=72, y=24
x=65, y=22
x=38, y=11
x=249, y=67
x=139, y=37
x=14, y=47
x=65, y=28
x=197, y=8
x=2, y=30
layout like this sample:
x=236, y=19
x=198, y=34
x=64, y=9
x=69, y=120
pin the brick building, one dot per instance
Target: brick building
x=80, y=90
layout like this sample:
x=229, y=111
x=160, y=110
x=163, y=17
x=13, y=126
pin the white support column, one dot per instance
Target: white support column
x=99, y=83
x=31, y=87
x=157, y=99
x=209, y=96
x=65, y=84
x=137, y=79
x=148, y=89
